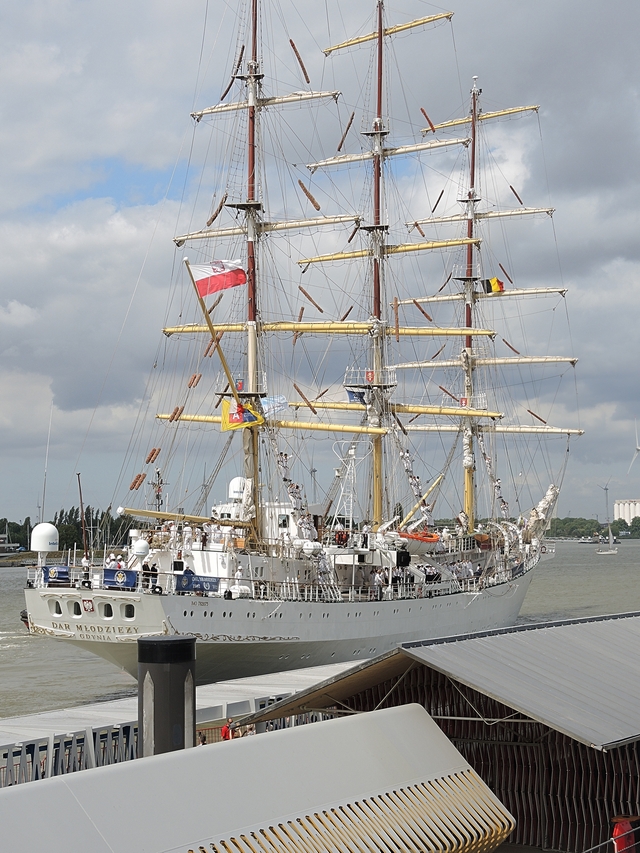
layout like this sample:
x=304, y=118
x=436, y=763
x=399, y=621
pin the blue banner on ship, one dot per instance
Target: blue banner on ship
x=196, y=583
x=120, y=578
x=55, y=574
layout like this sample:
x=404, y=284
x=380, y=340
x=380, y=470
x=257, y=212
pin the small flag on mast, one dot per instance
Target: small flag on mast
x=493, y=285
x=238, y=415
x=218, y=275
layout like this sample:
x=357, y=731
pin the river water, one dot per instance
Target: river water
x=39, y=674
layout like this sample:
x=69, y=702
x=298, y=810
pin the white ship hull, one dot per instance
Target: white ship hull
x=245, y=637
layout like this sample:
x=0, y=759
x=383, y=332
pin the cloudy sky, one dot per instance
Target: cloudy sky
x=94, y=139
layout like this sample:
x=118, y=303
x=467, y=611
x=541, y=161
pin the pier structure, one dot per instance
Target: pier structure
x=56, y=743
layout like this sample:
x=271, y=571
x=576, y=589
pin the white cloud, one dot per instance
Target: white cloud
x=16, y=314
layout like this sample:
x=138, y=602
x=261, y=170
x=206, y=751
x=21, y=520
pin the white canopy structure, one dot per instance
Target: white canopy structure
x=387, y=780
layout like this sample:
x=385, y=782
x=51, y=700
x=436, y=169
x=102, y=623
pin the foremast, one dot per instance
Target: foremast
x=471, y=426
x=469, y=287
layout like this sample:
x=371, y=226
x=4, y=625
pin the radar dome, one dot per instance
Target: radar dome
x=236, y=489
x=44, y=537
x=140, y=548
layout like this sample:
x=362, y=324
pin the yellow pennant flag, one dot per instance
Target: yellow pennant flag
x=239, y=415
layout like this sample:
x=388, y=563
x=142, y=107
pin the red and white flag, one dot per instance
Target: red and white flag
x=218, y=275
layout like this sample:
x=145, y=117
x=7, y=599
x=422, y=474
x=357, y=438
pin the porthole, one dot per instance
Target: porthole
x=76, y=609
x=191, y=613
x=128, y=611
x=106, y=610
x=184, y=612
x=54, y=607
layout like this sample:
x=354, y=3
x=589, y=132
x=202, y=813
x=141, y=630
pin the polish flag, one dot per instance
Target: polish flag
x=218, y=275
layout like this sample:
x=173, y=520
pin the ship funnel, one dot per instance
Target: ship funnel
x=44, y=538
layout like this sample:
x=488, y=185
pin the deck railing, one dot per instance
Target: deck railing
x=167, y=583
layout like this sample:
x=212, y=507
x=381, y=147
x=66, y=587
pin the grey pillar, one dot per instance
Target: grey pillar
x=166, y=694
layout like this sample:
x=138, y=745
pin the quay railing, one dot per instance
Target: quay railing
x=58, y=755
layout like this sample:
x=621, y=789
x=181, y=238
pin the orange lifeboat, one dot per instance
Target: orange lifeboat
x=425, y=536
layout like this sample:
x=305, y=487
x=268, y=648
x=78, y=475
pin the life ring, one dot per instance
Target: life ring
x=543, y=550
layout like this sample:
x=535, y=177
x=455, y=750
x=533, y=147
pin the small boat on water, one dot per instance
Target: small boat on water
x=275, y=577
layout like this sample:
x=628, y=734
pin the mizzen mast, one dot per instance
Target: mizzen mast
x=469, y=282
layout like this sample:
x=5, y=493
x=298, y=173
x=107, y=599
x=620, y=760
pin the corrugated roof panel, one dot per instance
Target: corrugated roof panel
x=387, y=780
x=580, y=677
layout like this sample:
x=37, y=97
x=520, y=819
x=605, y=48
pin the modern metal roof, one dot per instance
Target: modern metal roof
x=580, y=677
x=389, y=780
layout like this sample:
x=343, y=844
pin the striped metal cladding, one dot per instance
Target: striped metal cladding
x=561, y=792
x=454, y=813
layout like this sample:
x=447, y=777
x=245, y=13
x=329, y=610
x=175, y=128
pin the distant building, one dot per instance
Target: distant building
x=626, y=510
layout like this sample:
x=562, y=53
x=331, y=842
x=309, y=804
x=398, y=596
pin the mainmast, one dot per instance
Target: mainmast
x=377, y=238
x=252, y=207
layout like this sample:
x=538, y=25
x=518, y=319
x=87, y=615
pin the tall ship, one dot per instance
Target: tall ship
x=345, y=358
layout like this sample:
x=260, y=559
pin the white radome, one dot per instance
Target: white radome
x=44, y=538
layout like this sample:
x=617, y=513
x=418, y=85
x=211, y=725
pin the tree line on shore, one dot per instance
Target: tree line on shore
x=102, y=528
x=578, y=527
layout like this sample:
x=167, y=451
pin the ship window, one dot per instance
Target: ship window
x=107, y=611
x=54, y=607
x=283, y=521
x=128, y=611
x=76, y=609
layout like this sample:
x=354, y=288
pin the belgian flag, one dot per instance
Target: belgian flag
x=493, y=285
